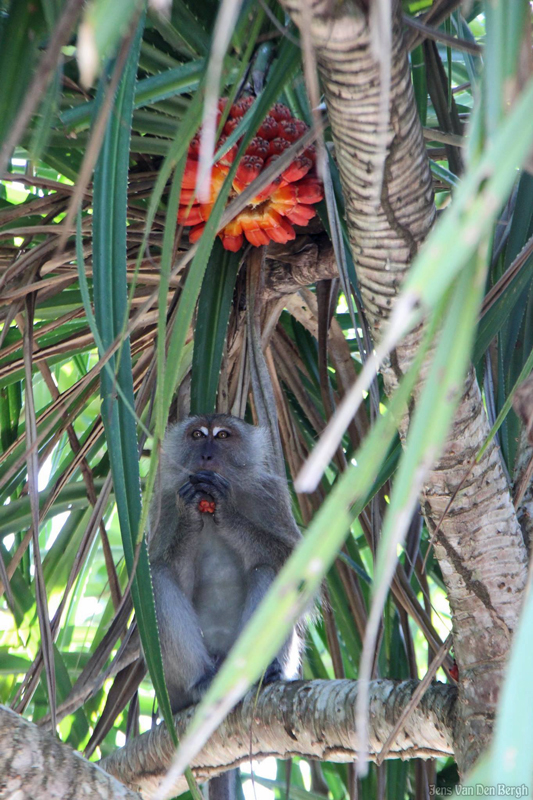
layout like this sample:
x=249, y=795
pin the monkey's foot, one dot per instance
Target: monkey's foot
x=272, y=673
x=201, y=686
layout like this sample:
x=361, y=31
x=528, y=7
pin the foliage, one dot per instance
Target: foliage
x=93, y=389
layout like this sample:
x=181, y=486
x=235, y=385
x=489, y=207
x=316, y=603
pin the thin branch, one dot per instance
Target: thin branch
x=439, y=36
x=434, y=135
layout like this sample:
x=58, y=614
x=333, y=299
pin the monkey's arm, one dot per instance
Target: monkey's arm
x=185, y=658
x=258, y=509
x=175, y=523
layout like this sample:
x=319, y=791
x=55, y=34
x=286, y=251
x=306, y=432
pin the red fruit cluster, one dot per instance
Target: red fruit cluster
x=206, y=507
x=271, y=214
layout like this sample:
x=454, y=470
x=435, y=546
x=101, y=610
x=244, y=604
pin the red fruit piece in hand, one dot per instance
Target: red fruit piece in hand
x=206, y=507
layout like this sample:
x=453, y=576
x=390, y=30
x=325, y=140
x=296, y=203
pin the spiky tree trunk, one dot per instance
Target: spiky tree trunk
x=479, y=545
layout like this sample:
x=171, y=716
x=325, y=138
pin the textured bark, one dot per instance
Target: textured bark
x=302, y=262
x=480, y=546
x=523, y=488
x=313, y=719
x=34, y=764
x=523, y=483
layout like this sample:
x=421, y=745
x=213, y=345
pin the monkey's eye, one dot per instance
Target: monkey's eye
x=222, y=435
x=197, y=434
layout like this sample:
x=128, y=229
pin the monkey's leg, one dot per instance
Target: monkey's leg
x=287, y=661
x=260, y=579
x=186, y=661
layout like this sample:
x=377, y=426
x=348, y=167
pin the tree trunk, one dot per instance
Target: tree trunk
x=34, y=764
x=480, y=547
x=312, y=719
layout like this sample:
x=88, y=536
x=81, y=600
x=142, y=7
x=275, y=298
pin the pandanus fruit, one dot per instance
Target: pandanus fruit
x=289, y=200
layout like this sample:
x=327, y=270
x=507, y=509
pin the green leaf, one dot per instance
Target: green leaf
x=43, y=129
x=103, y=25
x=10, y=408
x=17, y=515
x=21, y=27
x=183, y=29
x=211, y=325
x=110, y=301
x=477, y=201
x=444, y=174
x=170, y=83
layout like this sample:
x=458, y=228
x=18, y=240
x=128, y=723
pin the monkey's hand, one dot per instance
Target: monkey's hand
x=189, y=496
x=216, y=486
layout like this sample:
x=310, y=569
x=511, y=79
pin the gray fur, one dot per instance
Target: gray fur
x=210, y=572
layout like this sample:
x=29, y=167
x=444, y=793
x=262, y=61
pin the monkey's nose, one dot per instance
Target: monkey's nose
x=206, y=457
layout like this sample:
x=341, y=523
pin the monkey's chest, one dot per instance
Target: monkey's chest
x=219, y=592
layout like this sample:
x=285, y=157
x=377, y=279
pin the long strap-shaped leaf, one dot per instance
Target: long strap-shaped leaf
x=264, y=401
x=211, y=326
x=110, y=301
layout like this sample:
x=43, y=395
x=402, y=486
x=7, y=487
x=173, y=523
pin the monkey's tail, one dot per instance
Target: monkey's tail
x=224, y=787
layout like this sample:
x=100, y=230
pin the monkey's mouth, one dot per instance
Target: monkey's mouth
x=213, y=467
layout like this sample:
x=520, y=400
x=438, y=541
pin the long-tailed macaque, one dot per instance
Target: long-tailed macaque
x=222, y=528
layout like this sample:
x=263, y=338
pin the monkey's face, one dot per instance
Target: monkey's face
x=218, y=442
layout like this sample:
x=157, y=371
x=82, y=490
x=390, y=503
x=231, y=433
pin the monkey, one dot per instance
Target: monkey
x=221, y=528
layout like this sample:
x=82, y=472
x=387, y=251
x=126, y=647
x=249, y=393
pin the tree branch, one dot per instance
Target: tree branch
x=302, y=262
x=313, y=719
